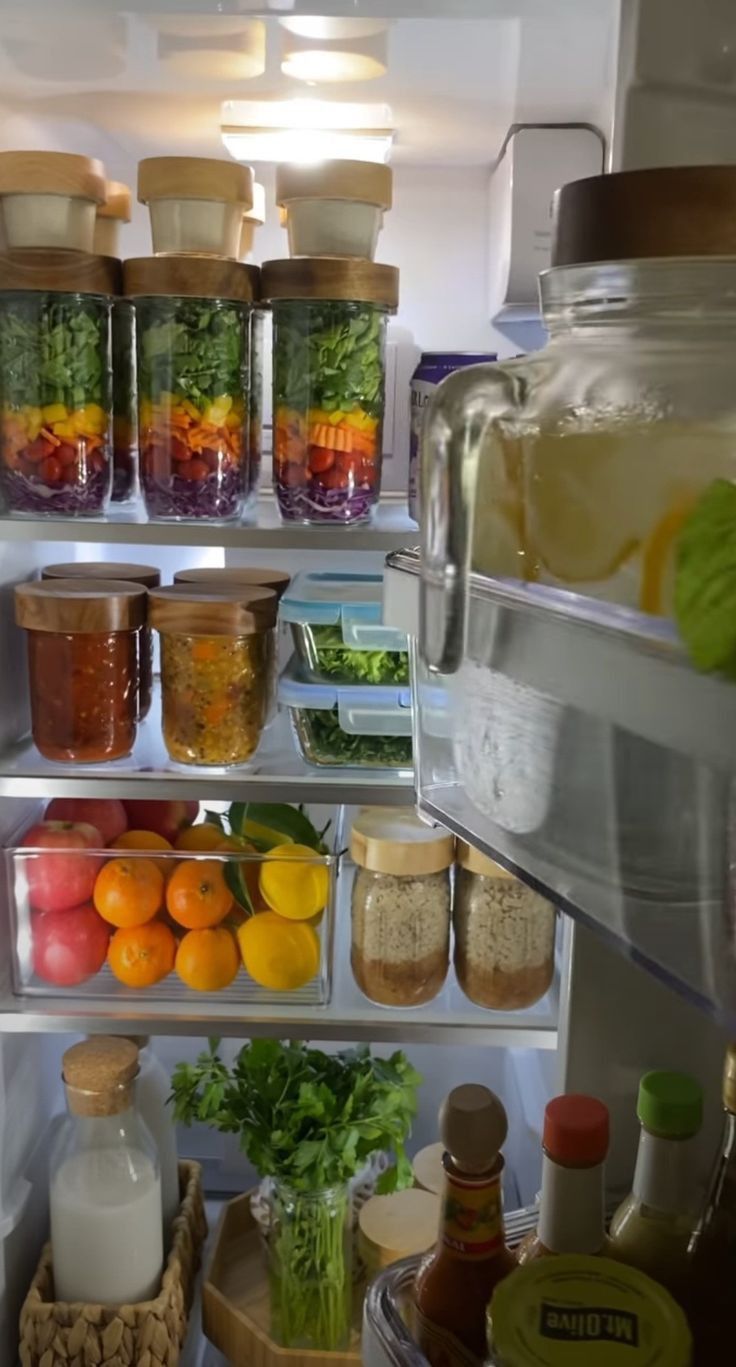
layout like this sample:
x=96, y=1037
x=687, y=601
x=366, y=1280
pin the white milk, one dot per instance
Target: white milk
x=106, y=1232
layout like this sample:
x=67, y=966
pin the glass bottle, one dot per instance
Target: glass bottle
x=153, y=1088
x=455, y=1282
x=572, y=1215
x=713, y=1246
x=105, y=1187
x=653, y=1226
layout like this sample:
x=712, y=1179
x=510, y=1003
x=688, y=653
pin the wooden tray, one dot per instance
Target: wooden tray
x=236, y=1305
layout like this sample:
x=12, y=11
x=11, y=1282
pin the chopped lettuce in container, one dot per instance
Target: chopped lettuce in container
x=351, y=726
x=339, y=636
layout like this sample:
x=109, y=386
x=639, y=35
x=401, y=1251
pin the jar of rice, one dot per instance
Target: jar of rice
x=504, y=935
x=401, y=907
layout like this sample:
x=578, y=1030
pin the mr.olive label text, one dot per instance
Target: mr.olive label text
x=588, y=1324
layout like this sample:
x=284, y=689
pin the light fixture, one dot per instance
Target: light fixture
x=320, y=30
x=211, y=48
x=306, y=130
x=354, y=59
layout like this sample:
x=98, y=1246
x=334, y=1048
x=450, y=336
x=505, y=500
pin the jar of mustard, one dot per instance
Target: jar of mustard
x=217, y=664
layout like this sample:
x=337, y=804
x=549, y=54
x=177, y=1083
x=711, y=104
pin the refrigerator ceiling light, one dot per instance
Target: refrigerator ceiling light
x=306, y=130
x=239, y=56
x=320, y=30
x=359, y=59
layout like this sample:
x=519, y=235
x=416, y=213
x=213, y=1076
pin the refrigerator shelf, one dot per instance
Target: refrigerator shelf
x=577, y=746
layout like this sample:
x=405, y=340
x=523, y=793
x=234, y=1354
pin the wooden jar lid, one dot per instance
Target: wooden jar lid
x=630, y=215
x=428, y=1168
x=331, y=277
x=469, y=858
x=192, y=610
x=219, y=577
x=118, y=202
x=195, y=178
x=397, y=1226
x=80, y=606
x=389, y=840
x=52, y=173
x=365, y=182
x=195, y=277
x=147, y=575
x=59, y=270
x=98, y=1073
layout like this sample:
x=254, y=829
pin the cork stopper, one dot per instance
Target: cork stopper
x=473, y=1126
x=98, y=1074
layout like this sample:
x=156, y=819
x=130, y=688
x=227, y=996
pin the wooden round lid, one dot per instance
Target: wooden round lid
x=98, y=1073
x=195, y=178
x=390, y=840
x=193, y=610
x=473, y=1126
x=118, y=202
x=80, y=606
x=630, y=215
x=331, y=277
x=398, y=1225
x=52, y=173
x=469, y=858
x=254, y=275
x=147, y=575
x=218, y=576
x=428, y=1168
x=366, y=182
x=196, y=277
x=59, y=270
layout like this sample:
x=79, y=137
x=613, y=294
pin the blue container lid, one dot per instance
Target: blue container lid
x=363, y=709
x=354, y=602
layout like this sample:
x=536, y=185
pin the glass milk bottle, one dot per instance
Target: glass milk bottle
x=152, y=1090
x=105, y=1187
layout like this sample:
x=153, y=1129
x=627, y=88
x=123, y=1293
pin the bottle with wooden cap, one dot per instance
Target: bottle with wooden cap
x=105, y=1187
x=152, y=1090
x=456, y=1282
x=713, y=1247
x=572, y=1212
x=196, y=204
x=334, y=208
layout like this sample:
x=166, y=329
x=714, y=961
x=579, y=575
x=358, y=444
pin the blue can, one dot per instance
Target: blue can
x=433, y=367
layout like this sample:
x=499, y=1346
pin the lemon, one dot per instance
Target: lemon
x=293, y=888
x=264, y=835
x=282, y=955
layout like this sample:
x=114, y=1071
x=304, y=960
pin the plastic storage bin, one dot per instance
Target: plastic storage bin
x=196, y=204
x=50, y=199
x=334, y=208
x=329, y=331
x=367, y=727
x=339, y=636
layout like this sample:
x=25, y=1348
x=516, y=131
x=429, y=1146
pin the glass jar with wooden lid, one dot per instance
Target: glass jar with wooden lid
x=217, y=663
x=329, y=334
x=193, y=362
x=504, y=935
x=334, y=208
x=115, y=210
x=400, y=909
x=148, y=577
x=196, y=204
x=50, y=200
x=219, y=576
x=83, y=653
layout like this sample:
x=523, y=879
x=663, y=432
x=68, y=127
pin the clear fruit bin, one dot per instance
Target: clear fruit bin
x=173, y=924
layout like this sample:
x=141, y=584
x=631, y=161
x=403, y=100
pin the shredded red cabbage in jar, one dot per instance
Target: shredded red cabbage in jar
x=313, y=503
x=220, y=496
x=32, y=497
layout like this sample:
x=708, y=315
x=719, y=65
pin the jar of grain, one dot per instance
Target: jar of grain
x=504, y=935
x=400, y=907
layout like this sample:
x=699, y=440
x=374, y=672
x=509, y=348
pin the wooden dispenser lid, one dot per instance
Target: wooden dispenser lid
x=365, y=182
x=195, y=277
x=332, y=278
x=147, y=575
x=52, y=173
x=222, y=577
x=473, y=1126
x=195, y=178
x=98, y=1073
x=80, y=606
x=389, y=840
x=630, y=215
x=469, y=858
x=193, y=610
x=59, y=270
x=118, y=201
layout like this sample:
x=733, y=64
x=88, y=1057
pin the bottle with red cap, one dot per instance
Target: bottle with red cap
x=572, y=1207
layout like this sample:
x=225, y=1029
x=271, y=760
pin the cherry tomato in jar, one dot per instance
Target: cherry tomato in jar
x=38, y=450
x=66, y=454
x=50, y=470
x=214, y=460
x=351, y=464
x=179, y=449
x=320, y=459
x=292, y=475
x=334, y=479
x=194, y=470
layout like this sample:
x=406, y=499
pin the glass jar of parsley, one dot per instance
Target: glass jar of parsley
x=217, y=663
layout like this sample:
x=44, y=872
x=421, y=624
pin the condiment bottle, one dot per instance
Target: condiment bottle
x=105, y=1189
x=652, y=1228
x=572, y=1208
x=153, y=1087
x=455, y=1282
x=713, y=1246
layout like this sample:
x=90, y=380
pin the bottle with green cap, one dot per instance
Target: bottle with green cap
x=651, y=1230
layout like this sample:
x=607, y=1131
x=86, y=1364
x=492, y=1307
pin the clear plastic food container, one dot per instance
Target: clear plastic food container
x=339, y=636
x=217, y=664
x=334, y=208
x=49, y=199
x=329, y=332
x=196, y=204
x=56, y=416
x=193, y=362
x=364, y=727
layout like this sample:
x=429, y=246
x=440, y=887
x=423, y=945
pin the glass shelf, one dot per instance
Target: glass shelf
x=577, y=746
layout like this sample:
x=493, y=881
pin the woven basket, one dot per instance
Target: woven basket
x=57, y=1334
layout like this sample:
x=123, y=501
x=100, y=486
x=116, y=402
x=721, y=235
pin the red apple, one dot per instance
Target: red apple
x=165, y=818
x=69, y=946
x=107, y=815
x=65, y=876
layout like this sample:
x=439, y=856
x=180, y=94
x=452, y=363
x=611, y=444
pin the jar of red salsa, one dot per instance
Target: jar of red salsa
x=83, y=653
x=148, y=577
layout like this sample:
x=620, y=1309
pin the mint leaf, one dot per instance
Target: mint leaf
x=705, y=580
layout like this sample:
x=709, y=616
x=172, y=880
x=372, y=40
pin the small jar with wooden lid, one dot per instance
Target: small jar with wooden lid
x=193, y=363
x=329, y=334
x=196, y=204
x=83, y=653
x=50, y=200
x=334, y=208
x=400, y=908
x=504, y=935
x=236, y=576
x=148, y=577
x=217, y=666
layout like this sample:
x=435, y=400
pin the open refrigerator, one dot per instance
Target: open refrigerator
x=629, y=758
